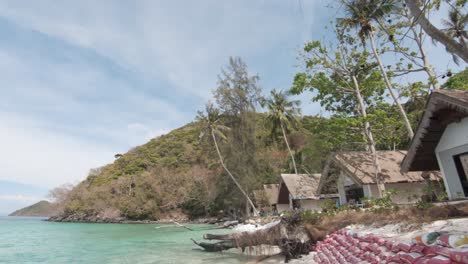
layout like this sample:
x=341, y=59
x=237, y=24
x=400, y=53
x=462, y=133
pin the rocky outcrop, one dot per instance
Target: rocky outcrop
x=82, y=218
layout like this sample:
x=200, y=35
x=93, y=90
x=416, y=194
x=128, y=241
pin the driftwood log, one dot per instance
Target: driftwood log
x=289, y=235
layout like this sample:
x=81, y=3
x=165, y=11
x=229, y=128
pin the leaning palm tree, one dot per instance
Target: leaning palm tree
x=361, y=14
x=283, y=113
x=211, y=122
x=456, y=26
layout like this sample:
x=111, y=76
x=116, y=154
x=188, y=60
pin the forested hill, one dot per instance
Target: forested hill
x=42, y=208
x=179, y=174
x=172, y=175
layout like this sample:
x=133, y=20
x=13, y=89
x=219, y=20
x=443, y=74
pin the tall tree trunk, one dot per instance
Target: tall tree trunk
x=232, y=177
x=289, y=149
x=390, y=88
x=427, y=66
x=370, y=138
x=450, y=44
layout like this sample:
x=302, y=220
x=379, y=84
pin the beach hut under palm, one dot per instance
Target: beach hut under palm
x=352, y=175
x=299, y=191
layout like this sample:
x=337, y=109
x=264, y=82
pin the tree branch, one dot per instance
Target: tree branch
x=450, y=44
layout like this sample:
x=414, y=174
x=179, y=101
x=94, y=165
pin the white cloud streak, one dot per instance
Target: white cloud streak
x=182, y=42
x=42, y=158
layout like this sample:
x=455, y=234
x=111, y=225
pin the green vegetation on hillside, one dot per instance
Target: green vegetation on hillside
x=42, y=208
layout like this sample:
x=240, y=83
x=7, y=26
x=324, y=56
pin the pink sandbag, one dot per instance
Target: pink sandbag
x=354, y=250
x=395, y=259
x=417, y=248
x=363, y=245
x=354, y=260
x=369, y=238
x=386, y=255
x=369, y=256
x=438, y=250
x=395, y=248
x=318, y=259
x=353, y=241
x=334, y=243
x=323, y=259
x=345, y=253
x=389, y=244
x=374, y=248
x=410, y=258
x=405, y=246
x=443, y=240
x=439, y=260
x=381, y=241
x=460, y=255
x=423, y=260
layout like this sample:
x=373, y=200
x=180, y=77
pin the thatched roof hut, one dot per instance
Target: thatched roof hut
x=359, y=166
x=442, y=108
x=352, y=173
x=300, y=190
x=299, y=186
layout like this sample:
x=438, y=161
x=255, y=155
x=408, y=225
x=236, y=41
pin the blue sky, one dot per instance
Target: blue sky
x=83, y=80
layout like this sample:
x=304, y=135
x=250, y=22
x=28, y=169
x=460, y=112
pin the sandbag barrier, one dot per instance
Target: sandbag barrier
x=348, y=246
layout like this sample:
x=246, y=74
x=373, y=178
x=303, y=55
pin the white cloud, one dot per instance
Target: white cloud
x=182, y=42
x=34, y=156
x=53, y=112
x=24, y=199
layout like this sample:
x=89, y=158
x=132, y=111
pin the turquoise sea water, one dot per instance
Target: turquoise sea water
x=31, y=240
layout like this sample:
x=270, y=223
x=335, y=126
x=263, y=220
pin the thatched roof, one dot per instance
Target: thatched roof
x=300, y=186
x=442, y=108
x=359, y=166
x=271, y=191
x=258, y=195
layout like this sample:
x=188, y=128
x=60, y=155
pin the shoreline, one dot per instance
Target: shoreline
x=98, y=220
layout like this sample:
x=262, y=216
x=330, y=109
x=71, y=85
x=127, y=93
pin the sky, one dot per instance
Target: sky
x=84, y=80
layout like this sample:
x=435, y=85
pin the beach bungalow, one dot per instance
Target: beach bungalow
x=299, y=191
x=352, y=174
x=441, y=141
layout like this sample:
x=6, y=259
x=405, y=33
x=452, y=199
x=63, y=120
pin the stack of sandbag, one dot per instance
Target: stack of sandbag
x=349, y=246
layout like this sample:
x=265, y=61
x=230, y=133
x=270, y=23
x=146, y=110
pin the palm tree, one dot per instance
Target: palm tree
x=456, y=26
x=452, y=46
x=283, y=113
x=361, y=13
x=211, y=122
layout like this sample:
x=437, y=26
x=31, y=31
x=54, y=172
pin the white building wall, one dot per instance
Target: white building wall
x=341, y=187
x=314, y=205
x=283, y=207
x=454, y=141
x=455, y=135
x=406, y=193
x=370, y=190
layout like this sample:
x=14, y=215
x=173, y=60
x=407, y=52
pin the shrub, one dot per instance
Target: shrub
x=423, y=204
x=309, y=216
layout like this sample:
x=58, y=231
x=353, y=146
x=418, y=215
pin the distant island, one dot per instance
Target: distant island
x=42, y=208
